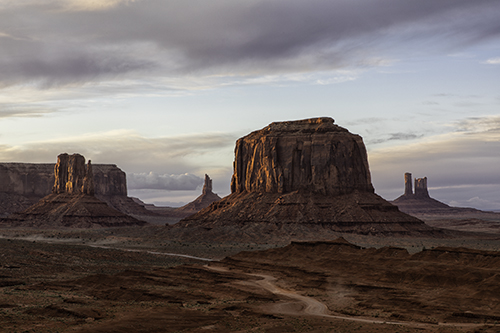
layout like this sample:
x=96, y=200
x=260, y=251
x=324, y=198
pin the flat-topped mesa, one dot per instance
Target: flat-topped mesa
x=311, y=155
x=421, y=188
x=71, y=175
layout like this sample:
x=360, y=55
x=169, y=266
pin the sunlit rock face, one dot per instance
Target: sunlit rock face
x=72, y=176
x=311, y=155
x=69, y=172
x=304, y=179
x=23, y=184
x=421, y=188
x=72, y=203
x=408, y=184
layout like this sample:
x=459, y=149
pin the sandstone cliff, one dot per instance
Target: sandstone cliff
x=301, y=176
x=72, y=202
x=24, y=184
x=312, y=155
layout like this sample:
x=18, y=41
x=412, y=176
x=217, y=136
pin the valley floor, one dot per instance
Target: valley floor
x=123, y=280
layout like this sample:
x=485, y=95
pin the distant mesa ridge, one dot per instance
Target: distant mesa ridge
x=24, y=184
x=304, y=173
x=72, y=202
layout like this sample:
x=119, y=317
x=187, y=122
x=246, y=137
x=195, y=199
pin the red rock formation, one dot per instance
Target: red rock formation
x=421, y=187
x=88, y=180
x=302, y=177
x=207, y=186
x=24, y=184
x=72, y=203
x=174, y=215
x=408, y=184
x=312, y=155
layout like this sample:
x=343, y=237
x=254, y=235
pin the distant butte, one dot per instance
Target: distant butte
x=206, y=198
x=299, y=179
x=438, y=214
x=72, y=202
x=173, y=215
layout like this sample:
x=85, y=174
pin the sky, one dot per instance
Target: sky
x=164, y=88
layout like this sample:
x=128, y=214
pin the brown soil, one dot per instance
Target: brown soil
x=303, y=287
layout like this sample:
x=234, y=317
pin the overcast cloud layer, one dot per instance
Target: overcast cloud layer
x=61, y=42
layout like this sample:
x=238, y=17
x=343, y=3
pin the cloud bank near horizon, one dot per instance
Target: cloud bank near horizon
x=169, y=182
x=132, y=151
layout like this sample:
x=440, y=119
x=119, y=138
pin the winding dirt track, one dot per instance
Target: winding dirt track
x=314, y=307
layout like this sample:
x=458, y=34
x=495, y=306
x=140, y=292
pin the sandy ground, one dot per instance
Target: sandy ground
x=133, y=280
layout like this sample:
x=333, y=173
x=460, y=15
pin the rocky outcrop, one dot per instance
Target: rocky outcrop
x=421, y=188
x=72, y=202
x=24, y=184
x=38, y=179
x=312, y=155
x=71, y=175
x=300, y=176
x=436, y=213
x=174, y=215
x=25, y=179
x=408, y=184
x=207, y=186
x=206, y=198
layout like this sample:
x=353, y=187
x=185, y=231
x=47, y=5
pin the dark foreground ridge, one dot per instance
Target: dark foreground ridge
x=302, y=287
x=297, y=179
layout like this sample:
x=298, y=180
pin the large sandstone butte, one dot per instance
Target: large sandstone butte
x=72, y=202
x=300, y=178
x=24, y=184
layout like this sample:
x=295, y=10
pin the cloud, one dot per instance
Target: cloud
x=169, y=182
x=59, y=42
x=24, y=109
x=66, y=5
x=133, y=152
x=492, y=61
x=397, y=137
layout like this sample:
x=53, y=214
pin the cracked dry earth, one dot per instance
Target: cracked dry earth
x=303, y=287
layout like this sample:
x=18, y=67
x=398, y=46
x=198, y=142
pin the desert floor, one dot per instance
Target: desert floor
x=129, y=280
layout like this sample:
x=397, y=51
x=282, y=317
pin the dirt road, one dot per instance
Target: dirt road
x=313, y=307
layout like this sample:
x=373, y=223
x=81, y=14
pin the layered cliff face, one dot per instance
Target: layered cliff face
x=298, y=179
x=26, y=179
x=33, y=179
x=72, y=176
x=312, y=155
x=23, y=184
x=72, y=202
